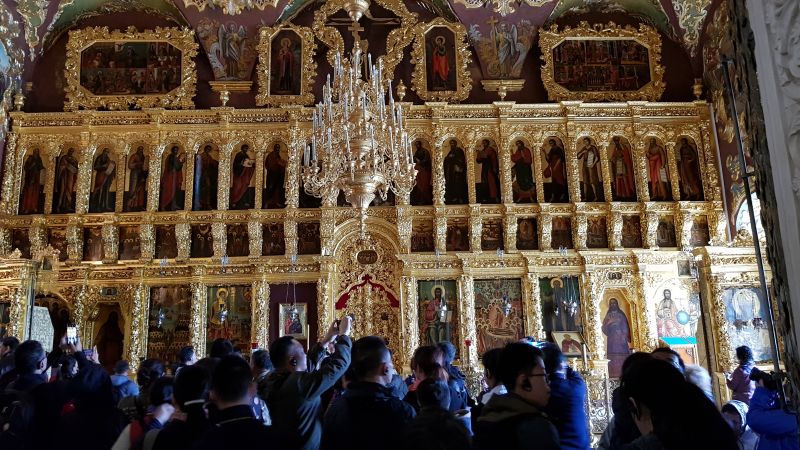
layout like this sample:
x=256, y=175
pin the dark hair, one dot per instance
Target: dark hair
x=634, y=358
x=368, y=355
x=68, y=364
x=121, y=367
x=515, y=359
x=11, y=342
x=279, y=351
x=448, y=351
x=682, y=416
x=426, y=355
x=672, y=352
x=260, y=360
x=433, y=393
x=491, y=362
x=149, y=371
x=191, y=383
x=437, y=431
x=231, y=379
x=553, y=358
x=185, y=354
x=767, y=378
x=160, y=391
x=744, y=354
x=220, y=348
x=27, y=357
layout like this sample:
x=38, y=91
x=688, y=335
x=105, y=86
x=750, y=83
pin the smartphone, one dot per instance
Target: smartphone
x=72, y=335
x=88, y=353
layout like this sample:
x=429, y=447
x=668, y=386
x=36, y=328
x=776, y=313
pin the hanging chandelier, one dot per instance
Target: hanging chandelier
x=359, y=144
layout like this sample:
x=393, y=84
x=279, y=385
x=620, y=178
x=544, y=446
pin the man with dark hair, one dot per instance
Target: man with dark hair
x=220, y=348
x=491, y=374
x=232, y=391
x=294, y=388
x=121, y=383
x=435, y=427
x=567, y=400
x=671, y=356
x=459, y=396
x=367, y=412
x=515, y=420
x=261, y=367
x=186, y=357
x=7, y=348
x=30, y=363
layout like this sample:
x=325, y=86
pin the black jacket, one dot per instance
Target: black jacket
x=236, y=428
x=294, y=398
x=366, y=416
x=436, y=428
x=511, y=423
x=183, y=434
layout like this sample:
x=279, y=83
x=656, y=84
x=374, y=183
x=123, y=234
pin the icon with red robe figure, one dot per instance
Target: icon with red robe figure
x=441, y=60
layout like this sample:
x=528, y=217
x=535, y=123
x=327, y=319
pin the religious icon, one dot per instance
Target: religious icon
x=657, y=173
x=129, y=68
x=274, y=240
x=92, y=244
x=455, y=175
x=498, y=313
x=676, y=314
x=527, y=234
x=243, y=167
x=33, y=177
x=172, y=187
x=570, y=344
x=202, y=241
x=238, y=241
x=437, y=312
x=166, y=242
x=66, y=182
x=561, y=233
x=440, y=58
x=168, y=324
x=422, y=194
x=457, y=237
x=689, y=170
x=665, y=233
x=596, y=232
x=229, y=316
x=422, y=239
x=130, y=247
x=57, y=238
x=504, y=49
x=286, y=63
x=631, y=231
x=233, y=46
x=561, y=303
x=136, y=181
x=292, y=320
x=109, y=337
x=522, y=184
x=104, y=174
x=555, y=171
x=488, y=187
x=308, y=241
x=492, y=234
x=21, y=240
x=591, y=178
x=617, y=331
x=745, y=318
x=275, y=164
x=700, y=234
x=623, y=180
x=206, y=179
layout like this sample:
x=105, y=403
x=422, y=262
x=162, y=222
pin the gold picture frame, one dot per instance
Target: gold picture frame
x=451, y=90
x=304, y=37
x=179, y=97
x=622, y=74
x=290, y=324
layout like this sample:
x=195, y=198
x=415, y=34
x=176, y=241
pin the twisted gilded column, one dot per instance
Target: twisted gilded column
x=404, y=225
x=325, y=301
x=579, y=231
x=147, y=239
x=545, y=231
x=183, y=239
x=672, y=164
x=509, y=232
x=199, y=318
x=5, y=241
x=532, y=307
x=140, y=312
x=615, y=230
x=224, y=186
x=219, y=239
x=466, y=312
x=410, y=318
x=18, y=310
x=9, y=171
x=650, y=229
x=110, y=236
x=475, y=229
x=255, y=234
x=440, y=230
x=84, y=179
x=259, y=331
x=74, y=236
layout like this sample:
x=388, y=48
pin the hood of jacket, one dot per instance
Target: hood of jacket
x=741, y=408
x=119, y=380
x=502, y=407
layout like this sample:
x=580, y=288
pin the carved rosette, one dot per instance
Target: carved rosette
x=220, y=239
x=510, y=233
x=147, y=241
x=260, y=306
x=408, y=286
x=110, y=236
x=545, y=231
x=466, y=312
x=649, y=228
x=74, y=243
x=615, y=231
x=532, y=306
x=183, y=237
x=255, y=234
x=197, y=326
x=579, y=231
x=475, y=231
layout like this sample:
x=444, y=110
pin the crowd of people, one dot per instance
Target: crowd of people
x=348, y=395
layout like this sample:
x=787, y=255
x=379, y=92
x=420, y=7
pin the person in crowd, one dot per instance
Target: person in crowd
x=30, y=364
x=739, y=381
x=220, y=348
x=735, y=413
x=186, y=357
x=567, y=400
x=95, y=423
x=68, y=368
x=158, y=413
x=149, y=371
x=7, y=347
x=622, y=430
x=427, y=362
x=699, y=376
x=671, y=413
x=456, y=379
x=491, y=368
x=235, y=427
x=293, y=392
x=515, y=420
x=435, y=427
x=776, y=428
x=124, y=387
x=261, y=366
x=367, y=412
x=189, y=422
x=671, y=356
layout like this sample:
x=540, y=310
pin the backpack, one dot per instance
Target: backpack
x=16, y=414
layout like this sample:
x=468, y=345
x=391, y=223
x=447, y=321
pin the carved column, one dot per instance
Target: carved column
x=154, y=178
x=224, y=186
x=110, y=235
x=140, y=312
x=404, y=225
x=437, y=159
x=325, y=301
x=440, y=230
x=718, y=226
x=258, y=200
x=293, y=181
x=469, y=152
x=573, y=169
x=37, y=234
x=509, y=232
x=220, y=239
x=639, y=154
x=197, y=327
x=188, y=177
x=260, y=306
x=545, y=231
x=507, y=191
x=649, y=229
x=591, y=287
x=9, y=168
x=408, y=286
x=605, y=167
x=80, y=305
x=74, y=243
x=5, y=241
x=255, y=234
x=183, y=238
x=290, y=236
x=615, y=230
x=327, y=227
x=672, y=165
x=532, y=306
x=147, y=239
x=579, y=231
x=649, y=282
x=686, y=223
x=18, y=310
x=475, y=229
x=466, y=313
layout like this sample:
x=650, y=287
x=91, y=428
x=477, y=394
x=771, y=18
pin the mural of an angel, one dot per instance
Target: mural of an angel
x=232, y=42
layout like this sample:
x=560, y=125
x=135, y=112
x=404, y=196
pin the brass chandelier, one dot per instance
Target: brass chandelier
x=359, y=144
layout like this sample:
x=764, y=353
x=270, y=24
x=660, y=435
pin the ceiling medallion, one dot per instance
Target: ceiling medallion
x=359, y=144
x=231, y=7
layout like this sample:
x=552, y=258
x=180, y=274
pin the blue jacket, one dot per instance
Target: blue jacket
x=777, y=428
x=567, y=408
x=124, y=386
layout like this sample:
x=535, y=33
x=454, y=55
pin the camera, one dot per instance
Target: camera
x=769, y=379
